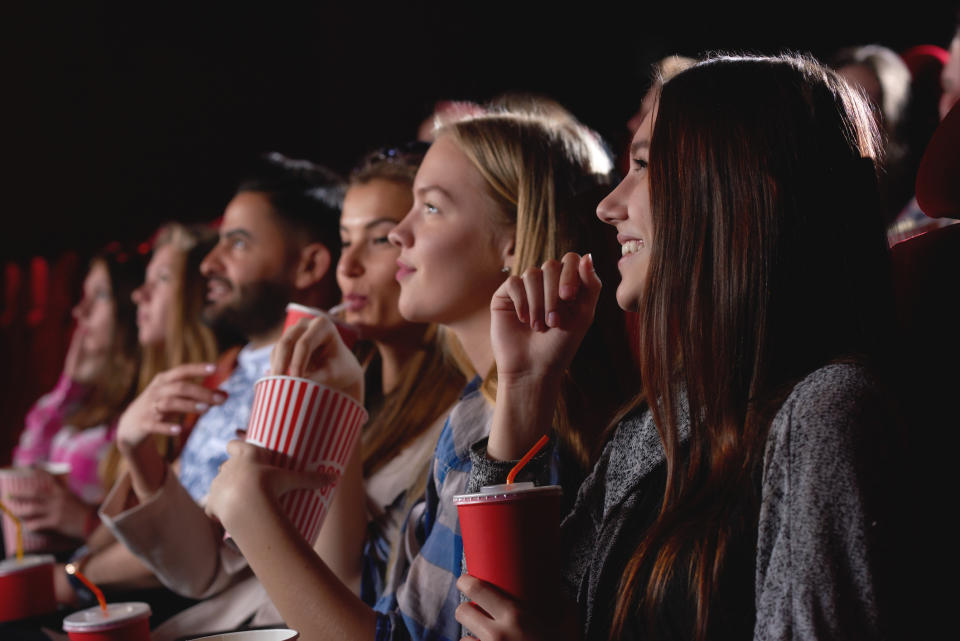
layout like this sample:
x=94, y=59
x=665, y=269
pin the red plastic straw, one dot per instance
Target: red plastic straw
x=526, y=458
x=71, y=569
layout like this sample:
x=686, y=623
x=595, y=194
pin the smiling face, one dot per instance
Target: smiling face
x=155, y=297
x=367, y=269
x=96, y=312
x=451, y=250
x=628, y=209
x=250, y=270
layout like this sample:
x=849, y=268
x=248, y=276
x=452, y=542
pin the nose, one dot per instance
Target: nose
x=211, y=262
x=350, y=264
x=139, y=295
x=613, y=208
x=401, y=235
x=80, y=309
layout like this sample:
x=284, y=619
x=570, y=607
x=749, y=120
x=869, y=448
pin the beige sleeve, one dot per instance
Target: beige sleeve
x=173, y=536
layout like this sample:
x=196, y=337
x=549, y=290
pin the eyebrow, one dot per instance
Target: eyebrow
x=422, y=190
x=375, y=222
x=638, y=145
x=234, y=233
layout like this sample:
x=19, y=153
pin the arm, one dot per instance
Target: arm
x=815, y=553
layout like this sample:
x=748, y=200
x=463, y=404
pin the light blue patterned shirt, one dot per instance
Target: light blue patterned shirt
x=206, y=447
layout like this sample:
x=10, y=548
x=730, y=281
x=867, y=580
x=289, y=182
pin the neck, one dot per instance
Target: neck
x=394, y=355
x=266, y=338
x=474, y=336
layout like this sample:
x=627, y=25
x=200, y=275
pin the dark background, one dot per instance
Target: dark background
x=122, y=115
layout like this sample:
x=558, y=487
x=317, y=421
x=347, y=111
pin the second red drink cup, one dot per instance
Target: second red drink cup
x=121, y=622
x=296, y=311
x=510, y=535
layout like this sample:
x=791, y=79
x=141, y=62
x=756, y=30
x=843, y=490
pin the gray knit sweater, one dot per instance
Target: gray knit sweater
x=812, y=565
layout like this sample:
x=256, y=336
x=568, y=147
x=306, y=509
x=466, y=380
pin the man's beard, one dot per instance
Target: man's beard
x=257, y=309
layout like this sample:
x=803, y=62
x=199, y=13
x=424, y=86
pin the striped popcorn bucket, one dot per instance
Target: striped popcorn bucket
x=308, y=427
x=25, y=480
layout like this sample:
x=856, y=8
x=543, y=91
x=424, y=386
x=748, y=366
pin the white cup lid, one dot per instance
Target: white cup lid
x=12, y=565
x=94, y=619
x=313, y=311
x=504, y=491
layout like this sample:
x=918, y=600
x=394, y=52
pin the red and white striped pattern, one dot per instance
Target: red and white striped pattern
x=309, y=427
x=23, y=481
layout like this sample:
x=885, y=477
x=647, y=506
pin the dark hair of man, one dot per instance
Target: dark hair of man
x=305, y=196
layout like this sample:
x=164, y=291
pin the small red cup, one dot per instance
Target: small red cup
x=277, y=634
x=15, y=480
x=295, y=312
x=26, y=587
x=121, y=622
x=308, y=427
x=510, y=535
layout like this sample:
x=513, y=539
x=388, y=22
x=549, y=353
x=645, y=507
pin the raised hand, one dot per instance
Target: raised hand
x=313, y=349
x=169, y=395
x=248, y=480
x=539, y=319
x=537, y=323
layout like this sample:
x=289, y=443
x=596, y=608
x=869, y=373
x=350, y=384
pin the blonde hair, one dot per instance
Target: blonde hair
x=186, y=338
x=547, y=173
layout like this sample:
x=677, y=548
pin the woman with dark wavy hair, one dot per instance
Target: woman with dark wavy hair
x=736, y=498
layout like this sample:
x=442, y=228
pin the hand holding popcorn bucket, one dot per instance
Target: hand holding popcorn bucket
x=310, y=428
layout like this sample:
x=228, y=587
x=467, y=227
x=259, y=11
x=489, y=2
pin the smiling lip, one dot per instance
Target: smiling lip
x=404, y=270
x=216, y=289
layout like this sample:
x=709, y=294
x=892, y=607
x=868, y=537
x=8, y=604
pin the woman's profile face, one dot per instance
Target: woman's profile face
x=154, y=298
x=452, y=253
x=367, y=269
x=96, y=313
x=628, y=209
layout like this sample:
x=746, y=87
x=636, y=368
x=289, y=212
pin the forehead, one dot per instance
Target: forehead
x=641, y=139
x=162, y=257
x=375, y=200
x=447, y=167
x=252, y=212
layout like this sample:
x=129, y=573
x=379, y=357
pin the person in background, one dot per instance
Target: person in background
x=76, y=422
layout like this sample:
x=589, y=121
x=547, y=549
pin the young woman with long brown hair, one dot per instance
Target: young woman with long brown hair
x=737, y=498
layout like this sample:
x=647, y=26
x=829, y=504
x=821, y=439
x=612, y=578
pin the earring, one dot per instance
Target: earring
x=504, y=270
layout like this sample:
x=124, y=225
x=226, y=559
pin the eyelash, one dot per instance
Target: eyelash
x=430, y=209
x=639, y=163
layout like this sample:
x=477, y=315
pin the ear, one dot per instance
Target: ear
x=507, y=245
x=313, y=265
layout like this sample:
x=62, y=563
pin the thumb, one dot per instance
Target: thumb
x=282, y=480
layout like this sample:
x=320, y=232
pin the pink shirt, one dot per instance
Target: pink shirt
x=46, y=438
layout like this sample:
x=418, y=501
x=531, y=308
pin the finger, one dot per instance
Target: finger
x=570, y=276
x=189, y=370
x=163, y=428
x=589, y=278
x=283, y=350
x=283, y=480
x=474, y=619
x=318, y=338
x=180, y=406
x=494, y=602
x=551, y=298
x=533, y=283
x=186, y=390
x=237, y=449
x=512, y=294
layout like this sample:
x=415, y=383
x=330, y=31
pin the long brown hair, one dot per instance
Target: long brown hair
x=547, y=173
x=768, y=261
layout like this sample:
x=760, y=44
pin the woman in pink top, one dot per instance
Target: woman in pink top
x=76, y=421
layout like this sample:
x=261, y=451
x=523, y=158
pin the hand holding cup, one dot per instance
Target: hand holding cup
x=49, y=506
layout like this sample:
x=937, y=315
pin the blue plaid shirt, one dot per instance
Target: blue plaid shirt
x=419, y=605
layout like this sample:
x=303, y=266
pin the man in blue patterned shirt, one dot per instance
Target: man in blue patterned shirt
x=279, y=242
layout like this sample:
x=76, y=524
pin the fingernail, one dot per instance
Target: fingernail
x=590, y=258
x=175, y=429
x=539, y=326
x=219, y=397
x=552, y=319
x=210, y=367
x=202, y=407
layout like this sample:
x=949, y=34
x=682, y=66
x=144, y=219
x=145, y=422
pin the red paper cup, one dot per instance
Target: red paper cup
x=310, y=428
x=296, y=311
x=26, y=587
x=16, y=480
x=121, y=622
x=510, y=535
x=278, y=634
